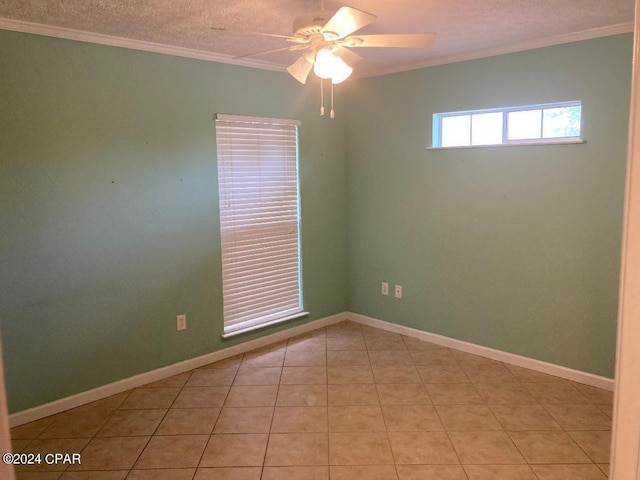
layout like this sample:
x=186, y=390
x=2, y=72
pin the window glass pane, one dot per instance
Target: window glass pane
x=524, y=125
x=486, y=128
x=456, y=131
x=561, y=122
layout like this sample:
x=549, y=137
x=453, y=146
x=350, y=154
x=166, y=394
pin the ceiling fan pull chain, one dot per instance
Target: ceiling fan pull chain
x=333, y=112
x=321, y=98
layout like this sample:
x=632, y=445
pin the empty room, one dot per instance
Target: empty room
x=314, y=240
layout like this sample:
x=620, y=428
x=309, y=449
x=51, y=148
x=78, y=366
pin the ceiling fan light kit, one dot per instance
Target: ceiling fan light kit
x=327, y=37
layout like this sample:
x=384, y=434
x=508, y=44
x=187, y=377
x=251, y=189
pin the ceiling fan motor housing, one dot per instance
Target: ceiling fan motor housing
x=310, y=24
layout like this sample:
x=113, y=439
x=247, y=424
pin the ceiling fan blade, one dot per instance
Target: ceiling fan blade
x=345, y=21
x=347, y=55
x=401, y=40
x=300, y=69
x=265, y=52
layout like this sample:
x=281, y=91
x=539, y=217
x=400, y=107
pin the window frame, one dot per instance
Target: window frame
x=248, y=291
x=505, y=111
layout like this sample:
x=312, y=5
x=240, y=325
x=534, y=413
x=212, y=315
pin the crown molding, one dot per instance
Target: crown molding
x=110, y=40
x=516, y=47
x=133, y=44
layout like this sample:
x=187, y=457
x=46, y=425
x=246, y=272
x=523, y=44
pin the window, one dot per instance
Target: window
x=537, y=124
x=259, y=221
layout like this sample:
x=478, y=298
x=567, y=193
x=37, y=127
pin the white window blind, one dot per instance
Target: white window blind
x=259, y=221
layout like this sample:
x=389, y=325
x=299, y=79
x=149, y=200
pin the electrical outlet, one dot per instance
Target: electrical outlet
x=398, y=291
x=385, y=288
x=181, y=321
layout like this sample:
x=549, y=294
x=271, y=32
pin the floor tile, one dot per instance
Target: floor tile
x=173, y=451
x=499, y=472
x=556, y=392
x=524, y=417
x=252, y=396
x=435, y=472
x=527, y=375
x=308, y=343
x=353, y=343
x=454, y=394
x=344, y=328
x=597, y=444
x=429, y=358
x=356, y=419
x=596, y=395
x=548, y=447
x=243, y=450
x=505, y=393
x=38, y=475
x=485, y=448
x=465, y=358
x=349, y=394
x=395, y=374
x=299, y=420
x=348, y=375
x=244, y=420
x=403, y=394
x=76, y=424
x=227, y=473
x=304, y=376
x=297, y=449
x=579, y=417
x=348, y=358
x=188, y=421
x=296, y=473
x=443, y=374
x=417, y=345
x=211, y=377
x=105, y=404
x=377, y=472
x=162, y=474
x=258, y=376
x=17, y=445
x=31, y=430
x=112, y=453
x=174, y=381
x=359, y=449
x=201, y=397
x=263, y=359
x=112, y=475
x=489, y=373
x=128, y=423
x=411, y=418
x=302, y=396
x=231, y=362
x=388, y=341
x=147, y=398
x=467, y=418
x=568, y=472
x=423, y=448
x=306, y=358
x=390, y=357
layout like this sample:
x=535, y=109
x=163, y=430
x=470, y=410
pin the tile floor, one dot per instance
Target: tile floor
x=342, y=402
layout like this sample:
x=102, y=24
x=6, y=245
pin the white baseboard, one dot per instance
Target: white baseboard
x=510, y=358
x=82, y=398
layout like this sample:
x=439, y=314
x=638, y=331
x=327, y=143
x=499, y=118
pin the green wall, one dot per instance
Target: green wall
x=109, y=209
x=514, y=248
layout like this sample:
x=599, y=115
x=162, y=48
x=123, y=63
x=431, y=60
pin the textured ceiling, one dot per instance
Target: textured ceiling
x=465, y=28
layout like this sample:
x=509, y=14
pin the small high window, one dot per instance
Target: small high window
x=531, y=124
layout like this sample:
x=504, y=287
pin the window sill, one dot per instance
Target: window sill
x=264, y=325
x=526, y=143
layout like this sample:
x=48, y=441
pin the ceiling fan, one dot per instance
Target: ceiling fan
x=328, y=38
